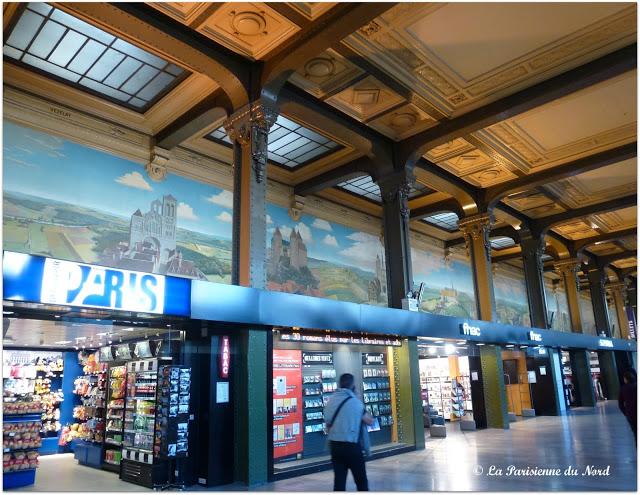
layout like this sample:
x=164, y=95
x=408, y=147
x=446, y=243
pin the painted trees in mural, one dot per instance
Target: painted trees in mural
x=75, y=203
x=448, y=284
x=323, y=259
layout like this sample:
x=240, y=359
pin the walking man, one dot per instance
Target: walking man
x=628, y=399
x=345, y=415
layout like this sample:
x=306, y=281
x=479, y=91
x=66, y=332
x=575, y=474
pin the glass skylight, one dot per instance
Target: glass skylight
x=290, y=145
x=498, y=243
x=447, y=221
x=363, y=186
x=58, y=44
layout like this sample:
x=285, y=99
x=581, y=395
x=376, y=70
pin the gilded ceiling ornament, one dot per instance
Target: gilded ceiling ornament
x=475, y=228
x=370, y=29
x=248, y=23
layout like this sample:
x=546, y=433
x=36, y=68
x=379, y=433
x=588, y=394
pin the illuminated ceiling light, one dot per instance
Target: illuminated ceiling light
x=111, y=342
x=81, y=338
x=479, y=343
x=449, y=349
x=62, y=342
x=432, y=350
x=509, y=345
x=439, y=342
x=7, y=312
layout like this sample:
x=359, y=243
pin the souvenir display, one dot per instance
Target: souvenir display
x=115, y=415
x=172, y=430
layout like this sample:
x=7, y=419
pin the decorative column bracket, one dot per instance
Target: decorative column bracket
x=477, y=228
x=250, y=126
x=394, y=189
x=156, y=167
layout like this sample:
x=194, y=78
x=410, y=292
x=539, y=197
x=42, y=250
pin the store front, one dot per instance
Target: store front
x=307, y=365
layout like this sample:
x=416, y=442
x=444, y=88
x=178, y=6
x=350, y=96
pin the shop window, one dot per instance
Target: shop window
x=306, y=375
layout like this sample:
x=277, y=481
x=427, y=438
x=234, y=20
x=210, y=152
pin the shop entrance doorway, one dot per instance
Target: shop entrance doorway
x=596, y=376
x=569, y=387
x=516, y=380
x=450, y=382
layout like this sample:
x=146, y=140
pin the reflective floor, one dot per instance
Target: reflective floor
x=598, y=437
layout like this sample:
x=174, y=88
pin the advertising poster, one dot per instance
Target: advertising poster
x=287, y=404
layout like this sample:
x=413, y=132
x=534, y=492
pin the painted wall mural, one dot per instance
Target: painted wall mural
x=510, y=290
x=614, y=323
x=557, y=305
x=586, y=313
x=448, y=284
x=324, y=259
x=72, y=202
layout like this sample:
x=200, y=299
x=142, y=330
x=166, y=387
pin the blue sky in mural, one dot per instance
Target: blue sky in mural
x=327, y=241
x=44, y=163
x=510, y=287
x=431, y=269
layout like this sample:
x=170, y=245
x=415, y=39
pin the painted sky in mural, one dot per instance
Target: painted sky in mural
x=448, y=286
x=72, y=202
x=319, y=258
x=557, y=304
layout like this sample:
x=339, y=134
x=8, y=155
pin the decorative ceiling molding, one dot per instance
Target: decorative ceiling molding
x=407, y=42
x=403, y=122
x=184, y=12
x=617, y=220
x=251, y=29
x=365, y=99
x=311, y=10
x=326, y=72
x=575, y=230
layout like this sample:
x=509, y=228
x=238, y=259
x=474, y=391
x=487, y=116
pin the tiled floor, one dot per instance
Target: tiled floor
x=586, y=437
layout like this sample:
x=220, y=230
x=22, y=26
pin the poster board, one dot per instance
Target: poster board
x=288, y=436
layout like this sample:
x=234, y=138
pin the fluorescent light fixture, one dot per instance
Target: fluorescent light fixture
x=7, y=312
x=509, y=345
x=439, y=342
x=102, y=333
x=479, y=343
x=449, y=349
x=128, y=329
x=56, y=316
x=62, y=342
x=81, y=338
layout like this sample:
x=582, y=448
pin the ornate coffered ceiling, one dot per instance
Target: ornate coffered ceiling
x=575, y=230
x=598, y=185
x=616, y=220
x=250, y=28
x=589, y=121
x=534, y=204
x=311, y=10
x=461, y=55
x=366, y=99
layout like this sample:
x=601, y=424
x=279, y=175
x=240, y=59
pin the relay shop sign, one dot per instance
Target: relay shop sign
x=51, y=281
x=75, y=284
x=468, y=330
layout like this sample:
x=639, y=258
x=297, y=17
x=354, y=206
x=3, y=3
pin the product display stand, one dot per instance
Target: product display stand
x=114, y=430
x=139, y=465
x=377, y=396
x=22, y=422
x=318, y=384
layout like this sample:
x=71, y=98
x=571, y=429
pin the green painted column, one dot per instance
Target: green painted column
x=409, y=406
x=609, y=374
x=495, y=394
x=251, y=445
x=582, y=377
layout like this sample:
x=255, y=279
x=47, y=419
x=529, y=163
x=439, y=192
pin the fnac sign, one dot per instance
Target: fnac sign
x=224, y=357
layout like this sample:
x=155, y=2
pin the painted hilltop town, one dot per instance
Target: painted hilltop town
x=288, y=270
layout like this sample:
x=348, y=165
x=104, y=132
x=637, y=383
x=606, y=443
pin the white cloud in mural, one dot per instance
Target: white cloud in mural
x=225, y=217
x=224, y=198
x=269, y=220
x=330, y=240
x=424, y=263
x=20, y=163
x=305, y=232
x=134, y=179
x=322, y=225
x=186, y=212
x=45, y=142
x=364, y=250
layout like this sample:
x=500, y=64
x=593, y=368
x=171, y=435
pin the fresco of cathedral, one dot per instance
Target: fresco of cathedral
x=119, y=218
x=324, y=259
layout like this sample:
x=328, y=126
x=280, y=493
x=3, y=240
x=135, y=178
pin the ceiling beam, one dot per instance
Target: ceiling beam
x=193, y=121
x=504, y=231
x=576, y=79
x=357, y=168
x=598, y=160
x=543, y=224
x=580, y=244
x=338, y=23
x=603, y=261
x=442, y=180
x=441, y=206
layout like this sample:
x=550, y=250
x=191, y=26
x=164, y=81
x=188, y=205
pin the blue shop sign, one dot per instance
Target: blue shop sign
x=52, y=281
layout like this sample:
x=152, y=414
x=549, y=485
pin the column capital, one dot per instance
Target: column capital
x=397, y=185
x=477, y=227
x=570, y=265
x=614, y=286
x=257, y=113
